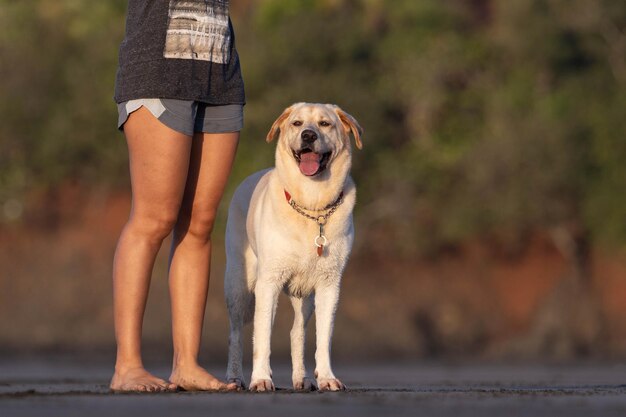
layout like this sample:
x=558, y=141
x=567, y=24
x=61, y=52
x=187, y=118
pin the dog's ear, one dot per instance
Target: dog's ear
x=350, y=125
x=275, y=130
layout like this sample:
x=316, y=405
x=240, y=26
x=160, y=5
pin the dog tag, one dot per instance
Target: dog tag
x=320, y=242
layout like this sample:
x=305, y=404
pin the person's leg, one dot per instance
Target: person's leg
x=159, y=163
x=212, y=156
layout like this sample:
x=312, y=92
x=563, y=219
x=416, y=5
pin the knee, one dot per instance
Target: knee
x=198, y=225
x=154, y=227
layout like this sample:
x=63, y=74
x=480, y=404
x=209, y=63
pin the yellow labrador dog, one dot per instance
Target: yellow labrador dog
x=290, y=229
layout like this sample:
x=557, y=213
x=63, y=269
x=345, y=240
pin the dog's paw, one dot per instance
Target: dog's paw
x=304, y=384
x=241, y=384
x=262, y=385
x=330, y=384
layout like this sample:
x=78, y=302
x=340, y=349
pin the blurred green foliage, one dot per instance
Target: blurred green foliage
x=483, y=118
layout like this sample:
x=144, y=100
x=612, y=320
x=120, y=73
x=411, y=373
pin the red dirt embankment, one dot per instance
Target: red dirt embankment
x=55, y=291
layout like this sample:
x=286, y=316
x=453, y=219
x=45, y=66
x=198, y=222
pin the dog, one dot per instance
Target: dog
x=290, y=229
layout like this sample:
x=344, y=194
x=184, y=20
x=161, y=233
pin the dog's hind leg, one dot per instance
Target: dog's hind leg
x=238, y=299
x=302, y=308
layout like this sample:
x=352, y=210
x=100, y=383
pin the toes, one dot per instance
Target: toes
x=239, y=383
x=156, y=387
x=232, y=386
x=262, y=385
x=331, y=385
x=162, y=383
x=148, y=387
x=162, y=388
x=305, y=384
x=220, y=386
x=336, y=385
x=217, y=385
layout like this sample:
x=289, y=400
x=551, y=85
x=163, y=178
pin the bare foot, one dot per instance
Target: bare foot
x=139, y=380
x=194, y=378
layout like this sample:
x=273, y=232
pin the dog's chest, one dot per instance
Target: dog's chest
x=304, y=274
x=300, y=286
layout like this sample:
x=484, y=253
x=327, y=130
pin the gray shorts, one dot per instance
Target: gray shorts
x=186, y=116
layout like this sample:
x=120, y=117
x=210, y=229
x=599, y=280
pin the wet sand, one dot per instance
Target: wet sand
x=54, y=387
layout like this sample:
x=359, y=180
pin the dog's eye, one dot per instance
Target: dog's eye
x=297, y=123
x=324, y=123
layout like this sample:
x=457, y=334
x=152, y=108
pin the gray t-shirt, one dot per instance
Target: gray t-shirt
x=179, y=49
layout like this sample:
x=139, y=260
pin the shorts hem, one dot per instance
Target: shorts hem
x=228, y=125
x=188, y=126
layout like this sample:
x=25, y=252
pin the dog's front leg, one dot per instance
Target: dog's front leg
x=266, y=294
x=326, y=299
x=302, y=308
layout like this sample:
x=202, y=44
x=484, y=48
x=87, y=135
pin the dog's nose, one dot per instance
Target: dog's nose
x=309, y=136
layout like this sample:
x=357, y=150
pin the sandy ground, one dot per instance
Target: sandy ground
x=58, y=387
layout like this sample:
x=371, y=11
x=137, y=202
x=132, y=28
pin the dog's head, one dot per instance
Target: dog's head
x=315, y=136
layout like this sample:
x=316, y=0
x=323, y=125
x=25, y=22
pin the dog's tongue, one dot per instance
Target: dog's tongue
x=309, y=163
